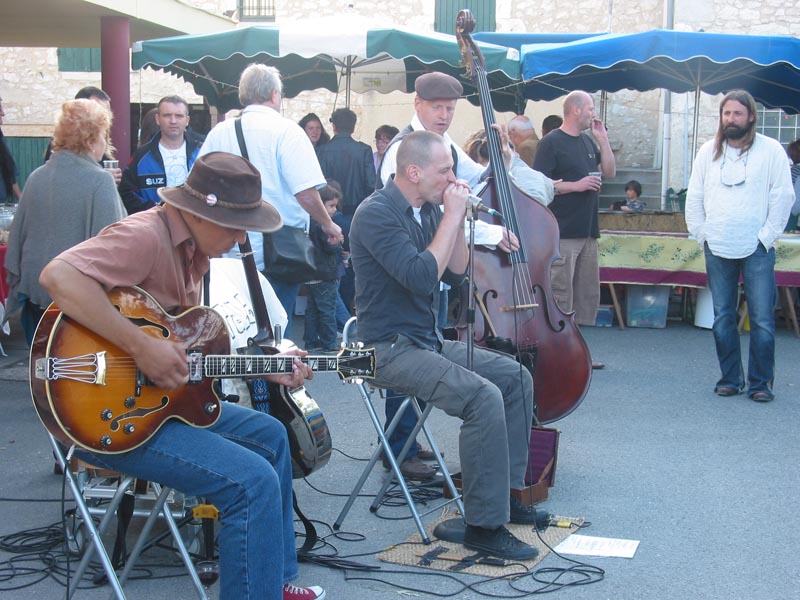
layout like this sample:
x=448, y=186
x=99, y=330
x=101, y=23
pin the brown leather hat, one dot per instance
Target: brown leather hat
x=438, y=86
x=225, y=189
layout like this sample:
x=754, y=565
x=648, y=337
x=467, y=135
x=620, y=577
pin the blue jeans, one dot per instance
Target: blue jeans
x=404, y=427
x=287, y=294
x=242, y=465
x=758, y=273
x=342, y=314
x=320, y=321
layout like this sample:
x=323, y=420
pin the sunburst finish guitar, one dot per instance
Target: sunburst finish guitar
x=88, y=392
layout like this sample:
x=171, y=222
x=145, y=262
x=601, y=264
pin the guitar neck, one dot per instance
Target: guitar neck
x=247, y=365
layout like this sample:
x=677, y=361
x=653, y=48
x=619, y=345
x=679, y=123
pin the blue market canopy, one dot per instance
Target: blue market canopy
x=519, y=39
x=766, y=66
x=340, y=54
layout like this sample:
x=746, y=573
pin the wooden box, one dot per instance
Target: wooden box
x=541, y=471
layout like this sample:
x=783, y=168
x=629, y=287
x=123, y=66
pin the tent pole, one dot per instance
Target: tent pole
x=665, y=146
x=696, y=119
x=348, y=74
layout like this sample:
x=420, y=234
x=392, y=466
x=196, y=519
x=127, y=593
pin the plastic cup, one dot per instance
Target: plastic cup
x=110, y=165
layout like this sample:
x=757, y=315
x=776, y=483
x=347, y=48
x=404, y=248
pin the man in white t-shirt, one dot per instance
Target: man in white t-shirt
x=283, y=154
x=164, y=160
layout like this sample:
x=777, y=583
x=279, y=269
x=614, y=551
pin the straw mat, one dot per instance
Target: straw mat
x=447, y=556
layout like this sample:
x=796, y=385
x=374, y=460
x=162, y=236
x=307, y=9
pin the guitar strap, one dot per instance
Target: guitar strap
x=311, y=531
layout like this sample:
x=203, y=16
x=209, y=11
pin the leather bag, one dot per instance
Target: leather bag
x=289, y=255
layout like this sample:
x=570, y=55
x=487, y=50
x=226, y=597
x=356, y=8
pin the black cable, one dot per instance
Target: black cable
x=27, y=500
x=346, y=455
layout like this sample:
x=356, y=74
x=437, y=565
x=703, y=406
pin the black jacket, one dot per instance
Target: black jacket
x=351, y=164
x=145, y=172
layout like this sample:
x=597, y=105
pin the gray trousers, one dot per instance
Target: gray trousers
x=495, y=403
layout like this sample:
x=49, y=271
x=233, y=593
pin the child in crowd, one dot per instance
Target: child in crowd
x=320, y=323
x=342, y=309
x=633, y=190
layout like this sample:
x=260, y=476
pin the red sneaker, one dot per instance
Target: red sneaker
x=291, y=592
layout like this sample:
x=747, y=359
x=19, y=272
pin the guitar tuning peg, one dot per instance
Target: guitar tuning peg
x=359, y=345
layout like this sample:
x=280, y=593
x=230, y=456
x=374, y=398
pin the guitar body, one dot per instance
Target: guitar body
x=88, y=392
x=309, y=436
x=119, y=413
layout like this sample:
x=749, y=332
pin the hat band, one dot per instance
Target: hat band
x=212, y=200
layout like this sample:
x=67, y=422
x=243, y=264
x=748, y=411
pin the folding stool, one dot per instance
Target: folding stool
x=409, y=403
x=95, y=542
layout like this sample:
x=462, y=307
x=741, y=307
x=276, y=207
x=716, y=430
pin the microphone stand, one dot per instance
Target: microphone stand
x=471, y=216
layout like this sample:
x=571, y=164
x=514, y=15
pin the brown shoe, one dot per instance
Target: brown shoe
x=425, y=453
x=414, y=468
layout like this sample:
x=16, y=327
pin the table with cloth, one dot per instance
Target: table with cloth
x=674, y=259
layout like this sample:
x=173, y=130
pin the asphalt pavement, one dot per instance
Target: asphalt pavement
x=708, y=485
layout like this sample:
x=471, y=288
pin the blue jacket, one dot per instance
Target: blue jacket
x=145, y=172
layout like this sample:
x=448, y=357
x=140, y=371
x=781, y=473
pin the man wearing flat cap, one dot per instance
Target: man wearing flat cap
x=242, y=462
x=434, y=108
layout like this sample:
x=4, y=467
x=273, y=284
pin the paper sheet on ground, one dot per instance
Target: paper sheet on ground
x=587, y=545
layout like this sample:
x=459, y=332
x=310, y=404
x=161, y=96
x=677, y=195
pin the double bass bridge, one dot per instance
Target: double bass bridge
x=519, y=307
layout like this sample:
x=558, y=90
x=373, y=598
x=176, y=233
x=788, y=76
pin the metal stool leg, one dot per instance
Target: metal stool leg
x=161, y=507
x=95, y=539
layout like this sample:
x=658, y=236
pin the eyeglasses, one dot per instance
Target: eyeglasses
x=733, y=173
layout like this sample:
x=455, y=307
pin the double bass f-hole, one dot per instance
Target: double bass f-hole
x=517, y=310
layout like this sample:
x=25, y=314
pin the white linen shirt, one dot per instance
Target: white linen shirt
x=733, y=219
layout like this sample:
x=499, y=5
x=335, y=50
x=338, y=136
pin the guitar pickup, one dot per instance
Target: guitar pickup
x=195, y=358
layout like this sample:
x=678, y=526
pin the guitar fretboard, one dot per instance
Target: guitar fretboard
x=254, y=365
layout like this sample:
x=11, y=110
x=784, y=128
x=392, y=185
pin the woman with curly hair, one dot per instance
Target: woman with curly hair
x=65, y=201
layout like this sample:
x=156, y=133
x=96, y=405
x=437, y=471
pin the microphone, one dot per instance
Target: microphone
x=477, y=204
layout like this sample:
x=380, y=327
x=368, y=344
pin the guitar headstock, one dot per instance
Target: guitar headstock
x=356, y=363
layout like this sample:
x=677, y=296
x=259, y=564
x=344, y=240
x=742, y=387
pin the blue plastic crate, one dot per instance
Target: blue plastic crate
x=646, y=305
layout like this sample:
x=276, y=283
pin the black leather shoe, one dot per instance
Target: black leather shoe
x=498, y=542
x=522, y=514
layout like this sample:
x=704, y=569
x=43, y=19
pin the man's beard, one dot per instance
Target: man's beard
x=734, y=132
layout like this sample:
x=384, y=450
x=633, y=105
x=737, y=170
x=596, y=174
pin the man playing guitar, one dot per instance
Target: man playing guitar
x=242, y=462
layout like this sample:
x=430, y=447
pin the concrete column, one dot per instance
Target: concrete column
x=115, y=43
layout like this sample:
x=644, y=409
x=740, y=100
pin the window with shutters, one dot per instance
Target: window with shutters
x=256, y=10
x=79, y=59
x=446, y=11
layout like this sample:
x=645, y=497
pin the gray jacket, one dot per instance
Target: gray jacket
x=65, y=201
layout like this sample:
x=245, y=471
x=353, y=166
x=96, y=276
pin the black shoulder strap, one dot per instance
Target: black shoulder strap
x=240, y=136
x=311, y=531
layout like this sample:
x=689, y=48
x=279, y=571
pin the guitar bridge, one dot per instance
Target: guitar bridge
x=86, y=368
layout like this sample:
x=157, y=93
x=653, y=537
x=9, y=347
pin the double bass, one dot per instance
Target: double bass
x=516, y=311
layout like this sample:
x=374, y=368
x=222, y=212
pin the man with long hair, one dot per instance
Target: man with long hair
x=737, y=205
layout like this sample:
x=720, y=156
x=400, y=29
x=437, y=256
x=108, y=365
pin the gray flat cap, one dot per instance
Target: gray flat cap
x=438, y=86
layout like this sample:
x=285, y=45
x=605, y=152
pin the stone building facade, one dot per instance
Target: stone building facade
x=32, y=87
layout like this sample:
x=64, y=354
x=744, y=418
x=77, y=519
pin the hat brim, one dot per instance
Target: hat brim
x=264, y=218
